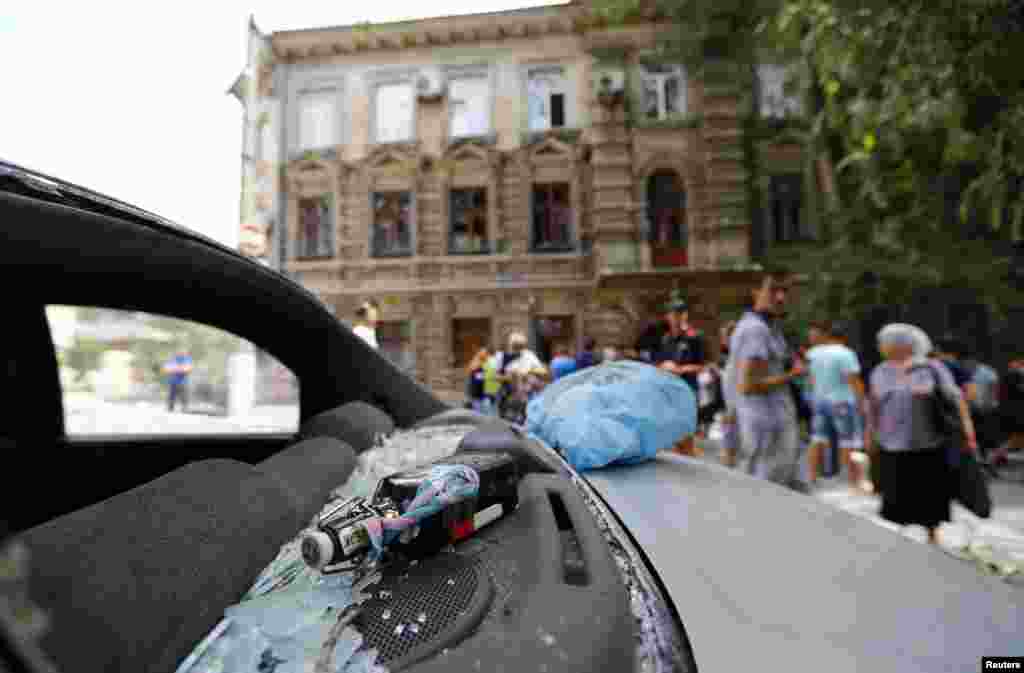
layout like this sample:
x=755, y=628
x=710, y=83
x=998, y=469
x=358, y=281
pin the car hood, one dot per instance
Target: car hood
x=763, y=577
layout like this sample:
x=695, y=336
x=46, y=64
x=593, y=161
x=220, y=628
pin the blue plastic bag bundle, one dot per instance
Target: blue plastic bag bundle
x=615, y=413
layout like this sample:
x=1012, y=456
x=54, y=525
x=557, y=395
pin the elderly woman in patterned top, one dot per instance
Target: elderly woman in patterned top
x=902, y=435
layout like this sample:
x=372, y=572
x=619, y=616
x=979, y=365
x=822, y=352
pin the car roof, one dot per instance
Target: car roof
x=64, y=244
x=760, y=574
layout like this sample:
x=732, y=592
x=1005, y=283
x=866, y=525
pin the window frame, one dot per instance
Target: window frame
x=384, y=78
x=453, y=74
x=683, y=207
x=486, y=243
x=375, y=248
x=683, y=98
x=331, y=222
x=571, y=244
x=124, y=374
x=786, y=105
x=330, y=92
x=569, y=104
x=802, y=232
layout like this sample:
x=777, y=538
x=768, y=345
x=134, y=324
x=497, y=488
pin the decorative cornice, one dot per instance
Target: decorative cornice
x=321, y=43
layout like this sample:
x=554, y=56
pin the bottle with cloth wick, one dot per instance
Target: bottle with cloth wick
x=417, y=512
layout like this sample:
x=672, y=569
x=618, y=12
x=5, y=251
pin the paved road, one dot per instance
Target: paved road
x=1003, y=532
x=87, y=415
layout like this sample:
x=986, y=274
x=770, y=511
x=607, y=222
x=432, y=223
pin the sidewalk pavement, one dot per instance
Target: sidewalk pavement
x=999, y=539
x=88, y=415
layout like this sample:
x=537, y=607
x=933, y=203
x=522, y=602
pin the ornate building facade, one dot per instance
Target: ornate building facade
x=530, y=170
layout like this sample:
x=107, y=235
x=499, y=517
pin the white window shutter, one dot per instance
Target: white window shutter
x=538, y=93
x=394, y=113
x=469, y=99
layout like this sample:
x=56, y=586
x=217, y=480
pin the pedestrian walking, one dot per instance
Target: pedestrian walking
x=730, y=438
x=476, y=397
x=838, y=401
x=903, y=435
x=562, y=364
x=766, y=409
x=514, y=364
x=367, y=317
x=680, y=350
x=587, y=357
x=178, y=369
x=1011, y=412
x=492, y=385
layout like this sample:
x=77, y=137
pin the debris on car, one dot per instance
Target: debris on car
x=415, y=513
x=616, y=413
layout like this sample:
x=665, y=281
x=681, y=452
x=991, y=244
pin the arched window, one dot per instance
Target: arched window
x=666, y=218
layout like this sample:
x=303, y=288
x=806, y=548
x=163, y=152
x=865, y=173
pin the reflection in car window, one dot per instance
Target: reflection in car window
x=132, y=373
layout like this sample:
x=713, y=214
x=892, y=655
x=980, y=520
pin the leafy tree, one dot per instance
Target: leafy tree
x=914, y=135
x=927, y=102
x=84, y=356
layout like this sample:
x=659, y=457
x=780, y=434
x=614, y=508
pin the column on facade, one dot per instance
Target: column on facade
x=725, y=224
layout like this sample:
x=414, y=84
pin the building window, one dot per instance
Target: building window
x=392, y=224
x=547, y=97
x=469, y=101
x=785, y=196
x=551, y=213
x=112, y=362
x=774, y=101
x=264, y=142
x=468, y=213
x=394, y=113
x=316, y=235
x=395, y=341
x=317, y=120
x=664, y=91
x=666, y=219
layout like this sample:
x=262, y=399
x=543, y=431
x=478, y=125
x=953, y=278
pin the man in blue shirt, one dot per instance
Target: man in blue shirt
x=562, y=364
x=838, y=395
x=177, y=369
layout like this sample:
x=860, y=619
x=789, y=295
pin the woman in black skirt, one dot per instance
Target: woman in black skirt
x=914, y=465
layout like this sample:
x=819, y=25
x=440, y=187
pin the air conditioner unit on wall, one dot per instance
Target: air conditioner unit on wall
x=609, y=83
x=430, y=84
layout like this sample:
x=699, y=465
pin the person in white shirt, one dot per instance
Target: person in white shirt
x=516, y=363
x=367, y=316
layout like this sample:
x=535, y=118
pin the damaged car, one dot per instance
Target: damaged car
x=256, y=552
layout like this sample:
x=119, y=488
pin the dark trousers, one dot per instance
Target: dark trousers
x=179, y=391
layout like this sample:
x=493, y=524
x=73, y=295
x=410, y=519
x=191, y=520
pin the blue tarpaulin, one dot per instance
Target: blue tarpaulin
x=615, y=413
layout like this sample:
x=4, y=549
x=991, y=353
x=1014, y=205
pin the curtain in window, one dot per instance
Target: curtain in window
x=316, y=126
x=394, y=112
x=469, y=100
x=540, y=85
x=787, y=197
x=538, y=95
x=551, y=215
x=772, y=90
x=666, y=208
x=664, y=91
x=392, y=217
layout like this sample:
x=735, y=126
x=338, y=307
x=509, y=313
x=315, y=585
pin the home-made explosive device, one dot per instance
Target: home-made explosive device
x=415, y=513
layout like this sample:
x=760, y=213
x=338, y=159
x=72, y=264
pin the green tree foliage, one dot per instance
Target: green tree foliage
x=208, y=347
x=928, y=104
x=83, y=356
x=915, y=108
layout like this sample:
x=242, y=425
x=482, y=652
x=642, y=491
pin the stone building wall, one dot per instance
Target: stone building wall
x=608, y=286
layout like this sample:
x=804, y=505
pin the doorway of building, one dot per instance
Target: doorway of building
x=469, y=335
x=549, y=331
x=666, y=220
